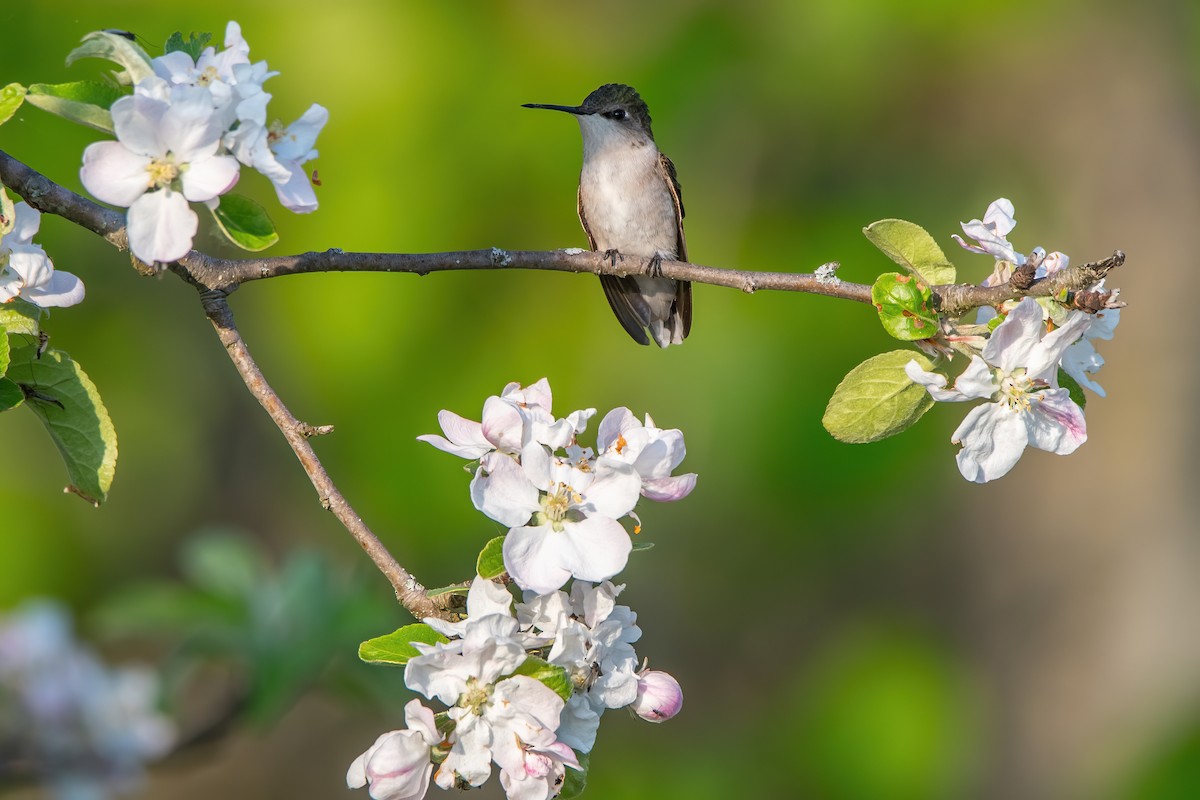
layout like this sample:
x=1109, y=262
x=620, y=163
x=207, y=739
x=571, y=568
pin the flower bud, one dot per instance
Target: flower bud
x=659, y=696
x=398, y=765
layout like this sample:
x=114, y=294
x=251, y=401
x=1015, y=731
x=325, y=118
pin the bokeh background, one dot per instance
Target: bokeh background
x=841, y=628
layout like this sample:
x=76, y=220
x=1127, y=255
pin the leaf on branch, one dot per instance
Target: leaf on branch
x=904, y=306
x=8, y=212
x=21, y=316
x=193, y=45
x=1073, y=388
x=3, y=349
x=11, y=395
x=877, y=399
x=11, y=97
x=575, y=780
x=116, y=48
x=396, y=647
x=553, y=677
x=62, y=396
x=85, y=102
x=911, y=246
x=490, y=563
x=245, y=223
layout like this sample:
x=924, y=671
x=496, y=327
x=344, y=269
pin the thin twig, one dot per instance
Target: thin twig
x=409, y=591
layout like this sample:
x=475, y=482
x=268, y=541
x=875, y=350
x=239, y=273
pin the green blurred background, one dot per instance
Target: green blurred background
x=841, y=631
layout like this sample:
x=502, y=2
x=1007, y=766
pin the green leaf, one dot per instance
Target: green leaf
x=396, y=647
x=490, y=563
x=8, y=212
x=553, y=677
x=3, y=350
x=877, y=399
x=116, y=48
x=193, y=45
x=245, y=223
x=447, y=590
x=62, y=396
x=11, y=97
x=11, y=395
x=903, y=303
x=21, y=316
x=640, y=546
x=911, y=246
x=85, y=102
x=1073, y=388
x=575, y=780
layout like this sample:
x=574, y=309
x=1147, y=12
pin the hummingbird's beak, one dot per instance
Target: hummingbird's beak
x=577, y=110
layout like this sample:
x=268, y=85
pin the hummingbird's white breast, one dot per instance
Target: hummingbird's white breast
x=625, y=196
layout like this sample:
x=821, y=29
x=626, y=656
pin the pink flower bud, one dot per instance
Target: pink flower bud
x=659, y=696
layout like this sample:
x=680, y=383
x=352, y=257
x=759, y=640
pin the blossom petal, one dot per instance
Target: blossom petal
x=114, y=174
x=296, y=192
x=1056, y=424
x=209, y=177
x=668, y=490
x=61, y=289
x=161, y=226
x=993, y=437
x=137, y=120
x=501, y=490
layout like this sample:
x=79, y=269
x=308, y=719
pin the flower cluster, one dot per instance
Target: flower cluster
x=561, y=501
x=87, y=728
x=182, y=137
x=25, y=269
x=1018, y=367
x=526, y=683
x=494, y=673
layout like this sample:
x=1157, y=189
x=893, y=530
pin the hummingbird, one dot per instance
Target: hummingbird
x=629, y=204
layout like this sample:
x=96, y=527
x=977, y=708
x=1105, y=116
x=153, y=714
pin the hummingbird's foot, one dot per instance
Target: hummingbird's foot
x=654, y=270
x=612, y=255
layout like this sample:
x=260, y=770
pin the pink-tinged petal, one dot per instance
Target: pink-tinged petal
x=296, y=193
x=502, y=425
x=188, y=128
x=1012, y=343
x=61, y=290
x=137, y=121
x=999, y=216
x=531, y=558
x=209, y=177
x=614, y=424
x=993, y=437
x=537, y=394
x=501, y=490
x=659, y=696
x=420, y=719
x=114, y=174
x=615, y=490
x=464, y=437
x=161, y=227
x=1055, y=423
x=668, y=490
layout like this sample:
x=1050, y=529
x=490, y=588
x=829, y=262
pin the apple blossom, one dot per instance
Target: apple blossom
x=166, y=154
x=564, y=518
x=398, y=765
x=25, y=269
x=653, y=452
x=1017, y=371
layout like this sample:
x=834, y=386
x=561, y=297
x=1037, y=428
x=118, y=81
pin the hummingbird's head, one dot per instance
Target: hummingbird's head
x=611, y=114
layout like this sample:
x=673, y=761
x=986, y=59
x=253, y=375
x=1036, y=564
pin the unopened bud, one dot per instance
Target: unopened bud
x=659, y=696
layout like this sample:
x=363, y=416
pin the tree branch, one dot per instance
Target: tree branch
x=409, y=591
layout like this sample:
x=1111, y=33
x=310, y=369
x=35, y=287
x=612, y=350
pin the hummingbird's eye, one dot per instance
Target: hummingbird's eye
x=618, y=114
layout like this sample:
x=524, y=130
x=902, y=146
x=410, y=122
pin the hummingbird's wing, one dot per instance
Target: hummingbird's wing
x=621, y=292
x=683, y=295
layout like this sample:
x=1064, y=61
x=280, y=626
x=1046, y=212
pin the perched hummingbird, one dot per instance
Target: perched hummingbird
x=629, y=205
